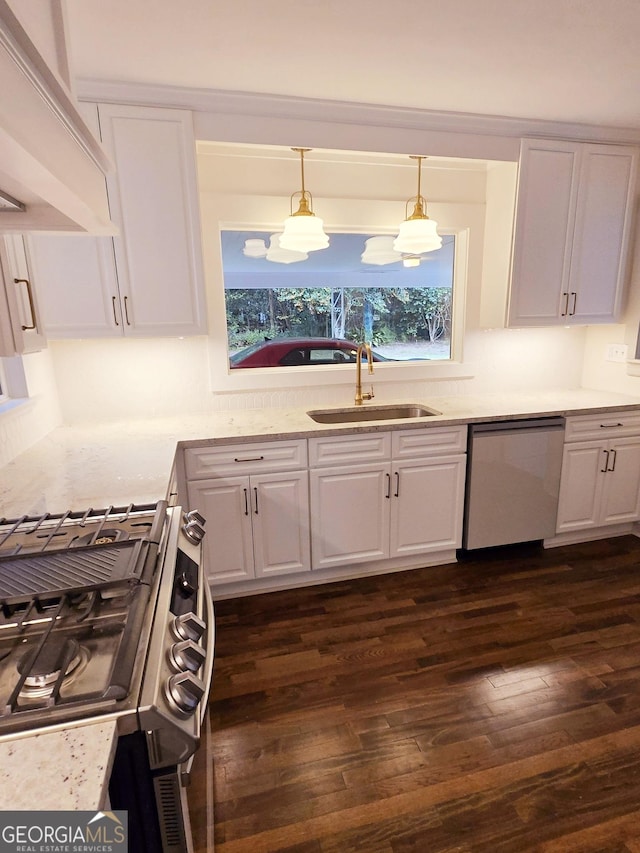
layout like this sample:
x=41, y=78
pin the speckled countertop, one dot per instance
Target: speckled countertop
x=122, y=462
x=60, y=770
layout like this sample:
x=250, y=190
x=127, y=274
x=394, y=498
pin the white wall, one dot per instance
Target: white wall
x=600, y=373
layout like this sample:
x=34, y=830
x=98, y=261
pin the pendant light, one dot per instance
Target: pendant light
x=303, y=230
x=417, y=233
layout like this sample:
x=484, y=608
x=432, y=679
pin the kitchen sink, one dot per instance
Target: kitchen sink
x=359, y=414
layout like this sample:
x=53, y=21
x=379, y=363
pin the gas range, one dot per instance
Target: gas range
x=107, y=614
x=101, y=613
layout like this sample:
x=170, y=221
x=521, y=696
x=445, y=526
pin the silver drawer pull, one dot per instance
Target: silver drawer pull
x=610, y=426
x=249, y=459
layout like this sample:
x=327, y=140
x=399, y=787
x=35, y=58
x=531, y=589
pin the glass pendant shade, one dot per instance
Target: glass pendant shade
x=380, y=251
x=303, y=233
x=254, y=248
x=417, y=236
x=279, y=255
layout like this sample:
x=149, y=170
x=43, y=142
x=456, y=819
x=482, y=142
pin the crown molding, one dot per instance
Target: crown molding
x=258, y=105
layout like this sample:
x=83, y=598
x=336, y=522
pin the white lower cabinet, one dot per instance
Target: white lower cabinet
x=349, y=514
x=257, y=523
x=600, y=481
x=389, y=508
x=427, y=500
x=256, y=526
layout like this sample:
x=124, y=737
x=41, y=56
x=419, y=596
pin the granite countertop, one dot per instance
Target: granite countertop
x=65, y=770
x=98, y=465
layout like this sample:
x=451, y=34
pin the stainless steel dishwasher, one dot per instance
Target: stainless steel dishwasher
x=513, y=480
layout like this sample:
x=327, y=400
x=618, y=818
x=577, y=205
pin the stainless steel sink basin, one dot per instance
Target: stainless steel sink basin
x=359, y=414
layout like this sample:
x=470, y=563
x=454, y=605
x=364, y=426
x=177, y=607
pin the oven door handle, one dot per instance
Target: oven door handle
x=210, y=650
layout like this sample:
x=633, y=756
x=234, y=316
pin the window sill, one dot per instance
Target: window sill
x=13, y=405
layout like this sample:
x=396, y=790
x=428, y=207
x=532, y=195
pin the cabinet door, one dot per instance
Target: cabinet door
x=603, y=218
x=228, y=544
x=154, y=200
x=621, y=483
x=427, y=505
x=280, y=519
x=19, y=283
x=77, y=286
x=545, y=210
x=350, y=509
x=581, y=484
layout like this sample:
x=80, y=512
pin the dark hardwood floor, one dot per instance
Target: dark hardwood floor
x=491, y=705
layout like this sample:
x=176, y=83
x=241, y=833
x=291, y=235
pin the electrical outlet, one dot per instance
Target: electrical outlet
x=616, y=352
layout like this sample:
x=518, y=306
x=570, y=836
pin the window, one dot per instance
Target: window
x=405, y=311
x=13, y=383
x=3, y=384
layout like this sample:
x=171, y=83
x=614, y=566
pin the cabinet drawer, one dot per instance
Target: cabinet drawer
x=432, y=441
x=605, y=425
x=336, y=449
x=226, y=459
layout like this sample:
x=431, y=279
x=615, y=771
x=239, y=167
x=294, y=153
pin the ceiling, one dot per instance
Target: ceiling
x=559, y=60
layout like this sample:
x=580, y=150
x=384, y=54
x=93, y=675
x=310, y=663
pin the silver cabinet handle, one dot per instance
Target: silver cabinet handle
x=32, y=309
x=396, y=494
x=115, y=314
x=246, y=502
x=126, y=310
x=606, y=462
x=612, y=467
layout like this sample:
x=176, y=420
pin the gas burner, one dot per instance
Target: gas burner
x=43, y=669
x=107, y=536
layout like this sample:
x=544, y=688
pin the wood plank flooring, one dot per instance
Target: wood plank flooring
x=491, y=705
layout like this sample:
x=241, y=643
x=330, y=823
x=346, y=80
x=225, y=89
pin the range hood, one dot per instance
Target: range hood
x=7, y=202
x=50, y=162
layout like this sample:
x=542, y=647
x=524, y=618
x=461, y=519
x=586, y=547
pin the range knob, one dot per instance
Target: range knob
x=184, y=692
x=194, y=515
x=187, y=656
x=194, y=532
x=193, y=527
x=188, y=626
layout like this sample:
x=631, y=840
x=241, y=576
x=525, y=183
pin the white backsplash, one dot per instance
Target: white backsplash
x=110, y=380
x=22, y=426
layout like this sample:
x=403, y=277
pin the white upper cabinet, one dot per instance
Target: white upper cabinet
x=153, y=195
x=49, y=159
x=148, y=281
x=572, y=231
x=20, y=324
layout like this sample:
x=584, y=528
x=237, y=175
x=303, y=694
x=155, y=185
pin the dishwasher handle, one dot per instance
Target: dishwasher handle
x=501, y=427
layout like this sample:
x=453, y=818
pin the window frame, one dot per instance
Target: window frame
x=225, y=379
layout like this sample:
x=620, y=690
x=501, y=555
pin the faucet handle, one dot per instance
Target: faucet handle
x=368, y=395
